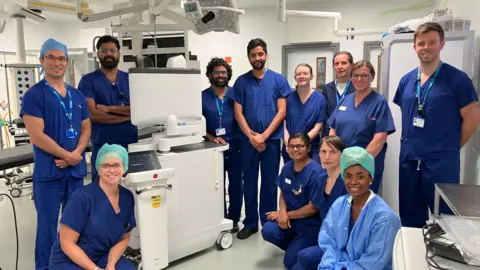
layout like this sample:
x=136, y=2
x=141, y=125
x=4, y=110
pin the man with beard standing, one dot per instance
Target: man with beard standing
x=108, y=97
x=222, y=128
x=439, y=115
x=260, y=106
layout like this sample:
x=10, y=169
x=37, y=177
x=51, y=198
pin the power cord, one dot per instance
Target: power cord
x=16, y=226
x=430, y=231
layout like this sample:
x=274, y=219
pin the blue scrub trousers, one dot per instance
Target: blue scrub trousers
x=301, y=235
x=314, y=155
x=95, y=148
x=379, y=167
x=417, y=187
x=309, y=258
x=269, y=161
x=233, y=166
x=48, y=196
x=122, y=264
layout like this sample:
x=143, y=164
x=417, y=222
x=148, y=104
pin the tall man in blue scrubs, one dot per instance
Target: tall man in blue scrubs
x=222, y=128
x=336, y=90
x=260, y=106
x=108, y=98
x=439, y=114
x=57, y=119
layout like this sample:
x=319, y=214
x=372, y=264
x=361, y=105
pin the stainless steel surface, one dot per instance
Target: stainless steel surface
x=463, y=200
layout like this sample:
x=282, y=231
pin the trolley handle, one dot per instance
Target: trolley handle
x=166, y=186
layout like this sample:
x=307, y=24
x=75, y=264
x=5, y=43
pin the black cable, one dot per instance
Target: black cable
x=16, y=226
x=426, y=239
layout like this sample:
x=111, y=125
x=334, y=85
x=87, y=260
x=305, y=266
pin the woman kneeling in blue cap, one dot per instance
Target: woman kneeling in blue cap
x=96, y=224
x=360, y=228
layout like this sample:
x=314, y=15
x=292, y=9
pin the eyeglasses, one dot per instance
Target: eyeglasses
x=115, y=166
x=298, y=146
x=360, y=76
x=52, y=58
x=108, y=50
x=216, y=73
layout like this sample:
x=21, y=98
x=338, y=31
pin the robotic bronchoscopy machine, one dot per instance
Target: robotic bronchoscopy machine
x=176, y=176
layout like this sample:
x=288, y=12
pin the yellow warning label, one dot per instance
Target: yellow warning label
x=156, y=201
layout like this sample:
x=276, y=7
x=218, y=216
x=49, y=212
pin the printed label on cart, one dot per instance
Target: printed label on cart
x=156, y=201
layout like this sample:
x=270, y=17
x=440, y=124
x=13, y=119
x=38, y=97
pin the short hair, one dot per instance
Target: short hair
x=217, y=62
x=364, y=63
x=334, y=142
x=301, y=135
x=350, y=57
x=107, y=39
x=429, y=27
x=255, y=43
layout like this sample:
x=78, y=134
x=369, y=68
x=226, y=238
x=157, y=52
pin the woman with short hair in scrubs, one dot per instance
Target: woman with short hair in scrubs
x=306, y=110
x=360, y=228
x=96, y=224
x=332, y=187
x=296, y=225
x=364, y=119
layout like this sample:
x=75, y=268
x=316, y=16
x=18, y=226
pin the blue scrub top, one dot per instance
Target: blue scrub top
x=323, y=204
x=39, y=101
x=259, y=100
x=441, y=135
x=299, y=189
x=357, y=126
x=303, y=117
x=90, y=213
x=212, y=116
x=97, y=86
x=331, y=93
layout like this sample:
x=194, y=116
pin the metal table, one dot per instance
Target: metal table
x=463, y=200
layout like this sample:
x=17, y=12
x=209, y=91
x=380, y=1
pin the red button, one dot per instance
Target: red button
x=155, y=176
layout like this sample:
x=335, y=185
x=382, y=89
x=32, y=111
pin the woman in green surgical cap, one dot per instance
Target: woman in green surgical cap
x=96, y=224
x=360, y=228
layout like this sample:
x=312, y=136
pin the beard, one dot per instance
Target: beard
x=219, y=82
x=258, y=64
x=113, y=63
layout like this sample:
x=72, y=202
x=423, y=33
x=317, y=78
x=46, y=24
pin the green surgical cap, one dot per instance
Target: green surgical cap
x=357, y=156
x=112, y=151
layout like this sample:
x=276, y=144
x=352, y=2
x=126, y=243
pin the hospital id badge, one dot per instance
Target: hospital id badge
x=220, y=131
x=342, y=108
x=71, y=133
x=418, y=121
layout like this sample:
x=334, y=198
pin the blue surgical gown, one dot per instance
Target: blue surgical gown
x=440, y=137
x=259, y=100
x=370, y=243
x=97, y=86
x=90, y=214
x=302, y=117
x=39, y=101
x=357, y=126
x=331, y=94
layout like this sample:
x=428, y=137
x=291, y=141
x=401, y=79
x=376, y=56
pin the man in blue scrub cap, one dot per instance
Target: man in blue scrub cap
x=57, y=119
x=260, y=106
x=108, y=98
x=222, y=128
x=439, y=115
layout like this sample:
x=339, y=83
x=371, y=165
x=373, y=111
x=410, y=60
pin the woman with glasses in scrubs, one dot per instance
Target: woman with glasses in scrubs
x=306, y=110
x=96, y=224
x=364, y=119
x=296, y=225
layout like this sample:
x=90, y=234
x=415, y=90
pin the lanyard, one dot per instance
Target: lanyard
x=220, y=108
x=344, y=92
x=429, y=87
x=68, y=113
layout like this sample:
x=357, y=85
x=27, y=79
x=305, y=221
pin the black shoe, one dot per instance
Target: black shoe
x=246, y=233
x=235, y=227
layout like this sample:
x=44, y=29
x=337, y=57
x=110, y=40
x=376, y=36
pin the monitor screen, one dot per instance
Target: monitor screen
x=143, y=161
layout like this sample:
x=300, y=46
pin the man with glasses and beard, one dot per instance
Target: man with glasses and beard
x=217, y=108
x=108, y=97
x=260, y=107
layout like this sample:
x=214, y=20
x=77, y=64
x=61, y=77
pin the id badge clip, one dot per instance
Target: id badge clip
x=71, y=133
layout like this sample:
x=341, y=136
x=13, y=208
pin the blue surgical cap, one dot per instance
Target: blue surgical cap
x=112, y=151
x=52, y=44
x=357, y=156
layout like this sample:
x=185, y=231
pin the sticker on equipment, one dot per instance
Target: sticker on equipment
x=156, y=201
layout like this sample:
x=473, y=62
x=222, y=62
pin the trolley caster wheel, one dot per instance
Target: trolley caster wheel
x=15, y=192
x=225, y=241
